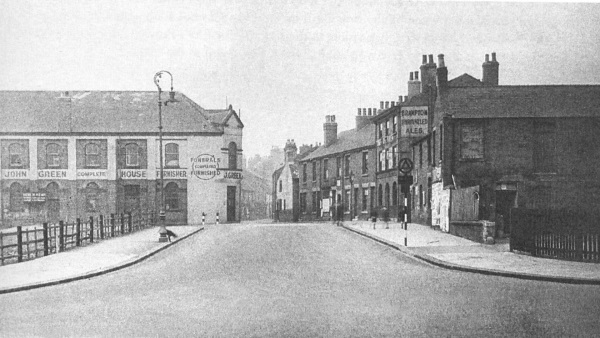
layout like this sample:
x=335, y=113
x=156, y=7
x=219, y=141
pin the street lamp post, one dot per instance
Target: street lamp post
x=162, y=216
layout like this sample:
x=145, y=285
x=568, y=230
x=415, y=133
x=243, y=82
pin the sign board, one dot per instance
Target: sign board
x=34, y=197
x=232, y=175
x=52, y=174
x=414, y=121
x=205, y=167
x=92, y=174
x=133, y=174
x=405, y=165
x=15, y=173
x=172, y=174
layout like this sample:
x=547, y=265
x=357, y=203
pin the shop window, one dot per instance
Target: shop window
x=92, y=192
x=172, y=155
x=232, y=155
x=16, y=197
x=92, y=155
x=132, y=155
x=16, y=155
x=172, y=197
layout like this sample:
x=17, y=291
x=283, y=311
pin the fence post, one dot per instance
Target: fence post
x=112, y=225
x=129, y=222
x=101, y=225
x=78, y=232
x=122, y=223
x=45, y=226
x=61, y=236
x=91, y=229
x=19, y=244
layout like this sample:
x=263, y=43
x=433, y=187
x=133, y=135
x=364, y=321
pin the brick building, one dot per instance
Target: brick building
x=342, y=170
x=66, y=155
x=491, y=147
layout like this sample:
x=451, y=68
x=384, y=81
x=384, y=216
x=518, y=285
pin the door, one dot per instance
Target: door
x=505, y=200
x=132, y=199
x=231, y=192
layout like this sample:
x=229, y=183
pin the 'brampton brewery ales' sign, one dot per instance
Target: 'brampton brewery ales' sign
x=413, y=121
x=205, y=166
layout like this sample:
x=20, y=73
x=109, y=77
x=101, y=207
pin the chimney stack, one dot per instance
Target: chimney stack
x=414, y=85
x=363, y=120
x=387, y=104
x=330, y=130
x=290, y=151
x=490, y=71
x=428, y=73
x=442, y=76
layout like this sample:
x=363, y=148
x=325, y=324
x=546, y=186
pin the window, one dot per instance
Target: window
x=314, y=201
x=380, y=130
x=441, y=142
x=339, y=166
x=132, y=155
x=16, y=155
x=421, y=155
x=172, y=155
x=365, y=162
x=365, y=195
x=380, y=196
x=280, y=186
x=433, y=138
x=429, y=151
x=91, y=197
x=232, y=155
x=304, y=172
x=421, y=197
x=303, y=202
x=394, y=193
x=387, y=194
x=544, y=147
x=394, y=158
x=16, y=197
x=347, y=165
x=395, y=125
x=92, y=155
x=387, y=128
x=387, y=160
x=52, y=155
x=347, y=199
x=471, y=146
x=325, y=169
x=381, y=160
x=171, y=196
x=314, y=171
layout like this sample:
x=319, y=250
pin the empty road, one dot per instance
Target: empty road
x=297, y=281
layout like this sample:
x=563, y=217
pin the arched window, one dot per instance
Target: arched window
x=172, y=155
x=232, y=155
x=394, y=193
x=172, y=196
x=52, y=155
x=16, y=197
x=132, y=155
x=52, y=191
x=15, y=152
x=387, y=195
x=380, y=196
x=92, y=155
x=280, y=186
x=91, y=197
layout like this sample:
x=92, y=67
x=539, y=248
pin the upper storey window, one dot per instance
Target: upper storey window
x=53, y=155
x=132, y=155
x=172, y=155
x=232, y=152
x=16, y=155
x=92, y=155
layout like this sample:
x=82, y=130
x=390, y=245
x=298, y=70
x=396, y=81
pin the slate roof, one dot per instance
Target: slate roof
x=524, y=101
x=103, y=112
x=465, y=80
x=346, y=141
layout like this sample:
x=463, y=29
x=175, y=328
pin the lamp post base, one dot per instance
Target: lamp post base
x=162, y=231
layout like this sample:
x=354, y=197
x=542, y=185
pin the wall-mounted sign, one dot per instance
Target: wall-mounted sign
x=172, y=173
x=52, y=174
x=92, y=174
x=233, y=175
x=414, y=121
x=205, y=166
x=133, y=174
x=34, y=197
x=15, y=173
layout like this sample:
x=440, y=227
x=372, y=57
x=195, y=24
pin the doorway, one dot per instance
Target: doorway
x=132, y=199
x=231, y=192
x=505, y=200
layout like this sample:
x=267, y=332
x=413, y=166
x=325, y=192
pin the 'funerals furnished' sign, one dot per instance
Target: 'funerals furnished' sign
x=205, y=166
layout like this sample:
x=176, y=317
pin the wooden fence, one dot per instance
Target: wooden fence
x=30, y=242
x=560, y=234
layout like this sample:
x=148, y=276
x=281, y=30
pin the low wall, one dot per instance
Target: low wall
x=477, y=231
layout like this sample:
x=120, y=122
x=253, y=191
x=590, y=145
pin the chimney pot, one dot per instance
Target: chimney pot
x=416, y=75
x=424, y=59
x=405, y=98
x=369, y=111
x=494, y=57
x=359, y=111
x=430, y=58
x=393, y=103
x=487, y=57
x=387, y=104
x=411, y=76
x=364, y=111
x=381, y=104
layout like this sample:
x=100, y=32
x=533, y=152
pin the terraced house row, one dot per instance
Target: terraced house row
x=66, y=155
x=459, y=150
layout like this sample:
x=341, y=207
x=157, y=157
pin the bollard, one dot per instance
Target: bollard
x=217, y=218
x=203, y=215
x=91, y=229
x=405, y=230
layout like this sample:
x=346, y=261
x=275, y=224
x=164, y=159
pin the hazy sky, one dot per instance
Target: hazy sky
x=287, y=64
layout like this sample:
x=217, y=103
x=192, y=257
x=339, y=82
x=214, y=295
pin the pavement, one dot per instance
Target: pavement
x=445, y=250
x=423, y=243
x=88, y=261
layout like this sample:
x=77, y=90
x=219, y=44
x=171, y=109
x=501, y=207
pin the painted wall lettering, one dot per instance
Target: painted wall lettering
x=52, y=174
x=205, y=166
x=414, y=121
x=133, y=174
